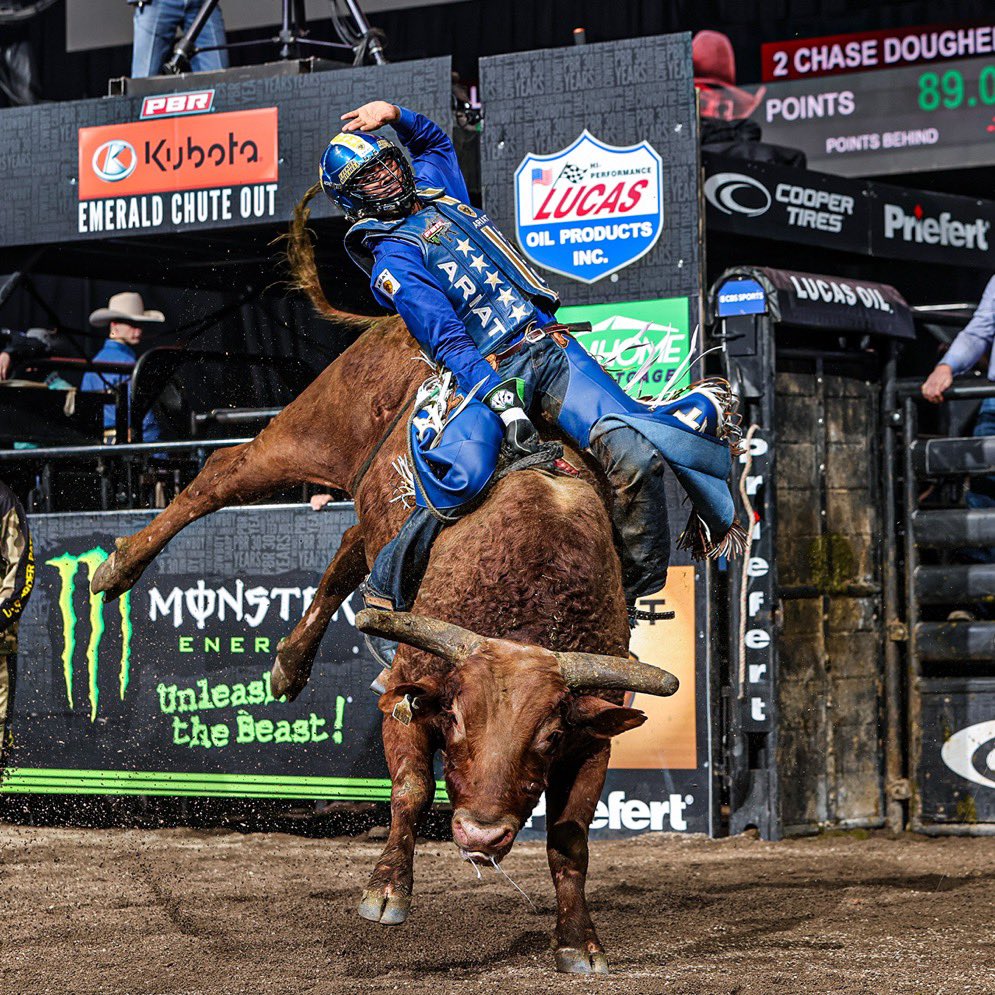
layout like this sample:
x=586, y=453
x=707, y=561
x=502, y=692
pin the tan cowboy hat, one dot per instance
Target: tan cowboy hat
x=127, y=306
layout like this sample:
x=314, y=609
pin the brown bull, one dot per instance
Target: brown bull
x=529, y=587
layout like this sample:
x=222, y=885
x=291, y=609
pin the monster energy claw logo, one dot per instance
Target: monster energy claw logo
x=69, y=567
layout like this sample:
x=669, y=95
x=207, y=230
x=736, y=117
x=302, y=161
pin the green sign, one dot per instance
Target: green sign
x=68, y=567
x=652, y=336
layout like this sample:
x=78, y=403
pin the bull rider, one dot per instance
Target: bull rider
x=482, y=313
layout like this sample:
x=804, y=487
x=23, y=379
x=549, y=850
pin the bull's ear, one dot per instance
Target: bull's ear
x=603, y=719
x=407, y=701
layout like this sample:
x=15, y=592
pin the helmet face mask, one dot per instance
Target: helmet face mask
x=368, y=177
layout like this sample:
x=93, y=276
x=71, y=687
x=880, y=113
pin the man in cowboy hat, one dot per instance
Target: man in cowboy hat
x=727, y=126
x=124, y=318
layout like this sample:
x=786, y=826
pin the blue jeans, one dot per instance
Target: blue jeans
x=572, y=389
x=155, y=34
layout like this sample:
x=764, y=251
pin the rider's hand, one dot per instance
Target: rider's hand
x=506, y=400
x=370, y=116
x=937, y=382
x=520, y=435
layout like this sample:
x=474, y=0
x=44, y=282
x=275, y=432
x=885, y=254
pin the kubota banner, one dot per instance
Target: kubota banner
x=178, y=153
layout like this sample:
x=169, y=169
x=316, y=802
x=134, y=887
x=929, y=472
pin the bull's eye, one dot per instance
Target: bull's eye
x=551, y=740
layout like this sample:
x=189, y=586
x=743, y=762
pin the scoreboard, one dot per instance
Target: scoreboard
x=922, y=117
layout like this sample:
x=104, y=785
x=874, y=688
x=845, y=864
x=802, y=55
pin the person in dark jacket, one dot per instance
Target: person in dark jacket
x=17, y=577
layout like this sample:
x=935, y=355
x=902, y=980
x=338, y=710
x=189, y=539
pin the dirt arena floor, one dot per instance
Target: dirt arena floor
x=184, y=911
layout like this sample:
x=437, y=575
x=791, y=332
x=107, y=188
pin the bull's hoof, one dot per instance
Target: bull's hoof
x=570, y=960
x=111, y=579
x=388, y=910
x=290, y=672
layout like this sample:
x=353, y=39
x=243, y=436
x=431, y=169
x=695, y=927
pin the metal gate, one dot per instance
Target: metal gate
x=805, y=672
x=948, y=629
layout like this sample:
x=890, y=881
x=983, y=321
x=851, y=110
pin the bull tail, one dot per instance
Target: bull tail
x=304, y=268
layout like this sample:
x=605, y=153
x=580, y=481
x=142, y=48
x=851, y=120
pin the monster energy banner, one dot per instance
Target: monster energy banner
x=167, y=690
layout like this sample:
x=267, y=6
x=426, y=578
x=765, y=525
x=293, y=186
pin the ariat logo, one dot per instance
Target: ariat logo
x=93, y=629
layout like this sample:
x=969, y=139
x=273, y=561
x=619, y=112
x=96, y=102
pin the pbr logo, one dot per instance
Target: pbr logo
x=178, y=104
x=591, y=209
x=115, y=160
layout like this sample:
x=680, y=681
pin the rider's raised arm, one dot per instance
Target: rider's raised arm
x=432, y=153
x=400, y=283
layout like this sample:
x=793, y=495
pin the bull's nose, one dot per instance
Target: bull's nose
x=470, y=834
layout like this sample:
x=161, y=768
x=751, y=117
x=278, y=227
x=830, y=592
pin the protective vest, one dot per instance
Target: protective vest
x=493, y=291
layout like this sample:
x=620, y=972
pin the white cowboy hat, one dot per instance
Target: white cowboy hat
x=127, y=306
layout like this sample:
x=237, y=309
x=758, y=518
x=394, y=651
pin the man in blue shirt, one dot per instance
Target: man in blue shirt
x=972, y=343
x=480, y=311
x=124, y=318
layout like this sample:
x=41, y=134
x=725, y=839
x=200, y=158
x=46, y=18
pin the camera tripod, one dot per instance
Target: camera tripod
x=365, y=43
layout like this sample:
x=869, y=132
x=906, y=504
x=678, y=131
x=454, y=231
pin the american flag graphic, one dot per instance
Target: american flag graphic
x=542, y=176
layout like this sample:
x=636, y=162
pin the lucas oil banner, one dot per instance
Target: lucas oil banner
x=589, y=209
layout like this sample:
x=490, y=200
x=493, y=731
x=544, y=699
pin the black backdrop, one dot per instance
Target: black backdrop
x=476, y=28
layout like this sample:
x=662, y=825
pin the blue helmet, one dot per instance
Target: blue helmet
x=350, y=177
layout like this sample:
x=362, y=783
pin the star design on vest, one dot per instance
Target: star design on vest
x=518, y=312
x=492, y=279
x=506, y=296
x=477, y=263
x=463, y=245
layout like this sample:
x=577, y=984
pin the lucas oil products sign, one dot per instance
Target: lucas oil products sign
x=590, y=209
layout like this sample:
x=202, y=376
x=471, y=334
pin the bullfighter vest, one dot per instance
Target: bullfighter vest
x=493, y=291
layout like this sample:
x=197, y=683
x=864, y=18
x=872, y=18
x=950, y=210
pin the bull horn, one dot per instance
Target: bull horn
x=430, y=634
x=589, y=671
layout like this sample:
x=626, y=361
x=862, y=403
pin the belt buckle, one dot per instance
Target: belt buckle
x=533, y=334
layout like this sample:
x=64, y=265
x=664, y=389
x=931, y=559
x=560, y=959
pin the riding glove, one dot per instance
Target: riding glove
x=507, y=401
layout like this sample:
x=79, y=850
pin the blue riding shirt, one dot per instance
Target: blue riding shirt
x=460, y=287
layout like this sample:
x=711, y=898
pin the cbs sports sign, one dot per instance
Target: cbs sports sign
x=591, y=209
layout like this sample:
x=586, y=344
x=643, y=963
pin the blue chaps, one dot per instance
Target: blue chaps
x=566, y=384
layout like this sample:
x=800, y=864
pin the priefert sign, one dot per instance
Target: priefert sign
x=617, y=812
x=942, y=230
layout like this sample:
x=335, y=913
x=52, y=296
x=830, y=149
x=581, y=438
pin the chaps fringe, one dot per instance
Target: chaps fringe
x=697, y=540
